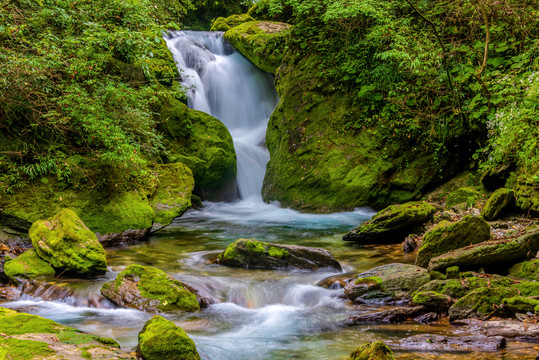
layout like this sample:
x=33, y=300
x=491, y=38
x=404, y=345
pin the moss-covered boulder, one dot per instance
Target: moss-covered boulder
x=28, y=265
x=446, y=236
x=252, y=254
x=150, y=289
x=491, y=254
x=377, y=350
x=481, y=303
x=223, y=24
x=262, y=42
x=201, y=142
x=527, y=195
x=66, y=243
x=498, y=203
x=525, y=270
x=25, y=336
x=393, y=223
x=433, y=300
x=522, y=305
x=161, y=339
x=466, y=195
x=386, y=282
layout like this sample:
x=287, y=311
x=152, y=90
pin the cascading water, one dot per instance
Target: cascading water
x=225, y=85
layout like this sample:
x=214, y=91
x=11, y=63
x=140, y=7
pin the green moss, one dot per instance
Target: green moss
x=452, y=272
x=162, y=339
x=480, y=302
x=526, y=270
x=152, y=284
x=223, y=24
x=521, y=304
x=446, y=236
x=377, y=350
x=262, y=42
x=371, y=280
x=28, y=265
x=24, y=349
x=498, y=203
x=14, y=323
x=65, y=242
x=465, y=195
x=457, y=288
x=76, y=337
x=433, y=300
x=276, y=252
x=254, y=246
x=436, y=275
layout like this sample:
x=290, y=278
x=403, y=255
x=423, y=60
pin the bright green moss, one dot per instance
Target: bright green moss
x=526, y=270
x=14, y=323
x=276, y=252
x=28, y=265
x=433, y=300
x=223, y=24
x=24, y=349
x=377, y=350
x=452, y=272
x=76, y=337
x=480, y=302
x=465, y=195
x=371, y=281
x=521, y=304
x=162, y=339
x=498, y=203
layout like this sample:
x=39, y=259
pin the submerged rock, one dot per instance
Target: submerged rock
x=447, y=236
x=386, y=282
x=498, y=203
x=391, y=316
x=28, y=265
x=393, y=223
x=66, y=243
x=252, y=254
x=429, y=342
x=262, y=42
x=161, y=339
x=377, y=350
x=152, y=290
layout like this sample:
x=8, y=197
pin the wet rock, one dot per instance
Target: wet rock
x=161, y=339
x=426, y=318
x=447, y=236
x=252, y=254
x=428, y=342
x=336, y=282
x=28, y=265
x=66, y=243
x=481, y=303
x=410, y=244
x=466, y=195
x=392, y=224
x=391, y=316
x=522, y=304
x=497, y=253
x=509, y=329
x=128, y=236
x=498, y=203
x=386, y=282
x=9, y=293
x=223, y=24
x=377, y=350
x=432, y=300
x=152, y=290
x=52, y=291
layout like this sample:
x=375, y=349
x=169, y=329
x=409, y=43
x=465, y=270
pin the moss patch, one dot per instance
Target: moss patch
x=480, y=303
x=24, y=349
x=377, y=350
x=526, y=270
x=223, y=24
x=466, y=195
x=28, y=265
x=498, y=203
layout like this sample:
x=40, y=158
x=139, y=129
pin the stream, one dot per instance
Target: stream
x=257, y=314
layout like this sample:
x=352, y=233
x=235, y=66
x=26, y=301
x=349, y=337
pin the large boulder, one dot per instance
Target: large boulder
x=481, y=303
x=377, y=350
x=28, y=265
x=161, y=339
x=262, y=42
x=150, y=289
x=447, y=236
x=386, y=282
x=393, y=223
x=66, y=243
x=252, y=254
x=498, y=203
x=25, y=336
x=497, y=253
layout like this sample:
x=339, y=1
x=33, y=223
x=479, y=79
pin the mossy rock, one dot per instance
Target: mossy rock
x=253, y=254
x=446, y=236
x=434, y=301
x=466, y=195
x=498, y=203
x=66, y=243
x=393, y=223
x=150, y=289
x=522, y=305
x=481, y=303
x=526, y=270
x=28, y=265
x=223, y=24
x=386, y=282
x=377, y=350
x=48, y=339
x=201, y=142
x=262, y=42
x=161, y=339
x=527, y=195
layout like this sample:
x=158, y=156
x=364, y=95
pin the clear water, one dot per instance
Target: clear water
x=257, y=314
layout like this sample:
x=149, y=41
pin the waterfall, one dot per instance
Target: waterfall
x=222, y=83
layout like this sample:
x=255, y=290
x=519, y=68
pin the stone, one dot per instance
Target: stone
x=161, y=339
x=252, y=254
x=392, y=224
x=433, y=301
x=389, y=282
x=377, y=350
x=66, y=243
x=431, y=342
x=152, y=290
x=481, y=303
x=28, y=265
x=526, y=270
x=446, y=236
x=498, y=203
x=223, y=24
x=391, y=316
x=466, y=195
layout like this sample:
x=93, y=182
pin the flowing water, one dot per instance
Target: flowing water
x=256, y=314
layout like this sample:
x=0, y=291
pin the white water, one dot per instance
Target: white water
x=225, y=85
